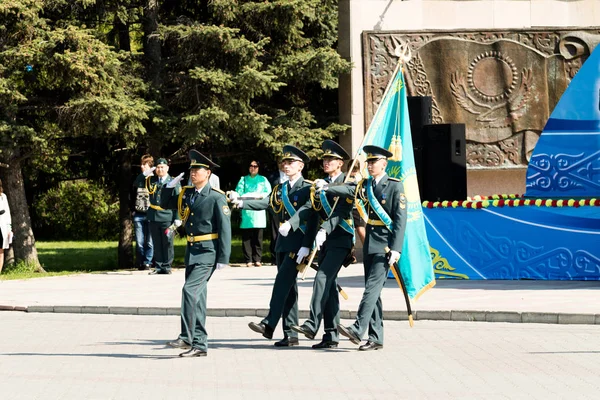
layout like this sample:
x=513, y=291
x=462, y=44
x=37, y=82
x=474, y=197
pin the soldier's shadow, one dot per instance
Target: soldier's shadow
x=260, y=344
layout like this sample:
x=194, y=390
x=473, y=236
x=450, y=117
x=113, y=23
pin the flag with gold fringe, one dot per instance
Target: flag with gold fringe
x=390, y=129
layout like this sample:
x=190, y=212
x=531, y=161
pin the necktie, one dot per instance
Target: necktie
x=374, y=184
x=193, y=198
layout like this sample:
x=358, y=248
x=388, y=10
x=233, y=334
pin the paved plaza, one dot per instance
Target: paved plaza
x=75, y=356
x=101, y=336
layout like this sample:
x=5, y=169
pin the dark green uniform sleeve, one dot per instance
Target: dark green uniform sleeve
x=399, y=219
x=261, y=204
x=343, y=190
x=222, y=216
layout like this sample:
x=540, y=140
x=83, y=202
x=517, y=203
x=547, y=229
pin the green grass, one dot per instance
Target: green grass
x=62, y=258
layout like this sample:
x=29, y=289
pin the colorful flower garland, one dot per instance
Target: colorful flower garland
x=511, y=200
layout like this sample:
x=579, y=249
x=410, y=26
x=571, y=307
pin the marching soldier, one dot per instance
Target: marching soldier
x=285, y=200
x=337, y=234
x=206, y=218
x=382, y=202
x=162, y=222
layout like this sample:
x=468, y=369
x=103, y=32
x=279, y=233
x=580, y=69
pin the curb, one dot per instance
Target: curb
x=432, y=315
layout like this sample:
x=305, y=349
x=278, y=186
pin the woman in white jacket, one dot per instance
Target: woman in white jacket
x=5, y=225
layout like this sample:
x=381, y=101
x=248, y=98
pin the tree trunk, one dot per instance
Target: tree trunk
x=152, y=51
x=23, y=241
x=126, y=231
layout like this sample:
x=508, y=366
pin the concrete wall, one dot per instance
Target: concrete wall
x=356, y=16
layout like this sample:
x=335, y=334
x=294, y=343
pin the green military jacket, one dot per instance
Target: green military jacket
x=205, y=216
x=157, y=193
x=336, y=235
x=389, y=192
x=298, y=195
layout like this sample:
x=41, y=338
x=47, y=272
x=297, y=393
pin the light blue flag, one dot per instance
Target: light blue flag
x=390, y=129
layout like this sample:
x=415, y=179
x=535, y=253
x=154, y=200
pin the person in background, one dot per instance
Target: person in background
x=253, y=223
x=144, y=249
x=162, y=222
x=6, y=234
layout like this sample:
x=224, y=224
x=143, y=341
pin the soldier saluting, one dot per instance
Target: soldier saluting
x=206, y=218
x=284, y=201
x=382, y=202
x=335, y=240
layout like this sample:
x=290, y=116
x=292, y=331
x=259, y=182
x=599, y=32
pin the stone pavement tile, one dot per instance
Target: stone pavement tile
x=81, y=356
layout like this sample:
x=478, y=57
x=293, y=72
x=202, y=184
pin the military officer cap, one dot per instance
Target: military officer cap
x=332, y=149
x=162, y=161
x=293, y=153
x=376, y=152
x=199, y=160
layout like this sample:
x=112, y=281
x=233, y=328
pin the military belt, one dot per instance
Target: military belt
x=202, y=238
x=157, y=207
x=376, y=222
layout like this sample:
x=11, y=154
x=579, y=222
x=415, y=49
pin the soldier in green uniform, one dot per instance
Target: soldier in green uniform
x=383, y=204
x=335, y=240
x=162, y=222
x=285, y=200
x=206, y=218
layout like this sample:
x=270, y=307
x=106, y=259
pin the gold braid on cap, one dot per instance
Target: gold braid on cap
x=149, y=187
x=197, y=164
x=274, y=202
x=184, y=212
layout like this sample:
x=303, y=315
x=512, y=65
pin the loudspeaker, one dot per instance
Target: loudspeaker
x=444, y=162
x=419, y=114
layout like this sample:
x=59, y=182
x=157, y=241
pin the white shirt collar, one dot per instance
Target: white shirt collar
x=334, y=178
x=292, y=183
x=380, y=178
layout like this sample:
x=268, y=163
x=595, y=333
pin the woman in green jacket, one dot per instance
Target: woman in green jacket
x=253, y=186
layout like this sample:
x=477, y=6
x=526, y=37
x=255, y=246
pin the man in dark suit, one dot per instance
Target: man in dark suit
x=207, y=223
x=285, y=200
x=382, y=202
x=334, y=239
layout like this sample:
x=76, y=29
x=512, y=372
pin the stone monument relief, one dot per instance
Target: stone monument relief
x=502, y=84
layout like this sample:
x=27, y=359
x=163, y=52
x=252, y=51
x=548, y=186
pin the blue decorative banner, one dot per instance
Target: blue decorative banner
x=551, y=243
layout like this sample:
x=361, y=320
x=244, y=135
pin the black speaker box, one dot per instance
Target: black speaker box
x=419, y=113
x=444, y=162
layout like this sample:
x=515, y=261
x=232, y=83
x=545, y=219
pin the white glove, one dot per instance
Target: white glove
x=237, y=203
x=233, y=196
x=173, y=182
x=284, y=229
x=303, y=252
x=149, y=172
x=394, y=257
x=221, y=266
x=320, y=239
x=177, y=223
x=320, y=185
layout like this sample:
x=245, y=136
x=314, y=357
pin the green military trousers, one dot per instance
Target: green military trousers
x=284, y=298
x=163, y=245
x=193, y=305
x=370, y=310
x=325, y=301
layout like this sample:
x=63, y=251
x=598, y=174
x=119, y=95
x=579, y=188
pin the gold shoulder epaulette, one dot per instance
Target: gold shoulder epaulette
x=187, y=187
x=309, y=182
x=393, y=179
x=218, y=190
